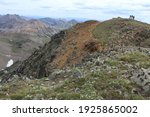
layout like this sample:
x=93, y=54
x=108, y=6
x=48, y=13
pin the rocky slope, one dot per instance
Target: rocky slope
x=18, y=37
x=121, y=73
x=92, y=60
x=66, y=47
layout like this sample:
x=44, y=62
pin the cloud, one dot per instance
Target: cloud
x=6, y=3
x=46, y=7
x=119, y=12
x=90, y=8
x=78, y=4
x=35, y=0
x=79, y=8
x=146, y=5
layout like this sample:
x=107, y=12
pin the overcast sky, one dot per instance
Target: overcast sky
x=89, y=9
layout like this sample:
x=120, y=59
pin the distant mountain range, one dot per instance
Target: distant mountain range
x=59, y=23
x=19, y=35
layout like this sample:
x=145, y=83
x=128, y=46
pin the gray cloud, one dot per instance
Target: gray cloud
x=91, y=8
x=82, y=6
x=78, y=4
x=35, y=0
x=6, y=3
x=119, y=11
x=146, y=5
x=46, y=7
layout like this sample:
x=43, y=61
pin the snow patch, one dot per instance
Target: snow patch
x=10, y=63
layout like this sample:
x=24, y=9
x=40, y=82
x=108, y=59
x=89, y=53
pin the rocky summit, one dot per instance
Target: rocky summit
x=92, y=60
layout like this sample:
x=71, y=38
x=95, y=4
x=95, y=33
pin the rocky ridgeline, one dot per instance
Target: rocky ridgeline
x=127, y=69
x=113, y=61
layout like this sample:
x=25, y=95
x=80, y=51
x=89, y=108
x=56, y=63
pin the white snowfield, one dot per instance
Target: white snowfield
x=10, y=63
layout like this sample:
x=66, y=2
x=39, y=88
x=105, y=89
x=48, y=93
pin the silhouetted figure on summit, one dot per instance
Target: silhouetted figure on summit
x=132, y=17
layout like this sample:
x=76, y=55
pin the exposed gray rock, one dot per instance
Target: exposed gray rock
x=77, y=74
x=56, y=73
x=52, y=76
x=142, y=78
x=1, y=87
x=147, y=88
x=38, y=96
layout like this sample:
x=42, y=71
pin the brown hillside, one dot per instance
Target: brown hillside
x=77, y=44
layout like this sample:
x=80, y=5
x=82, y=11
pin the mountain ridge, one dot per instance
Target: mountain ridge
x=92, y=60
x=59, y=23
